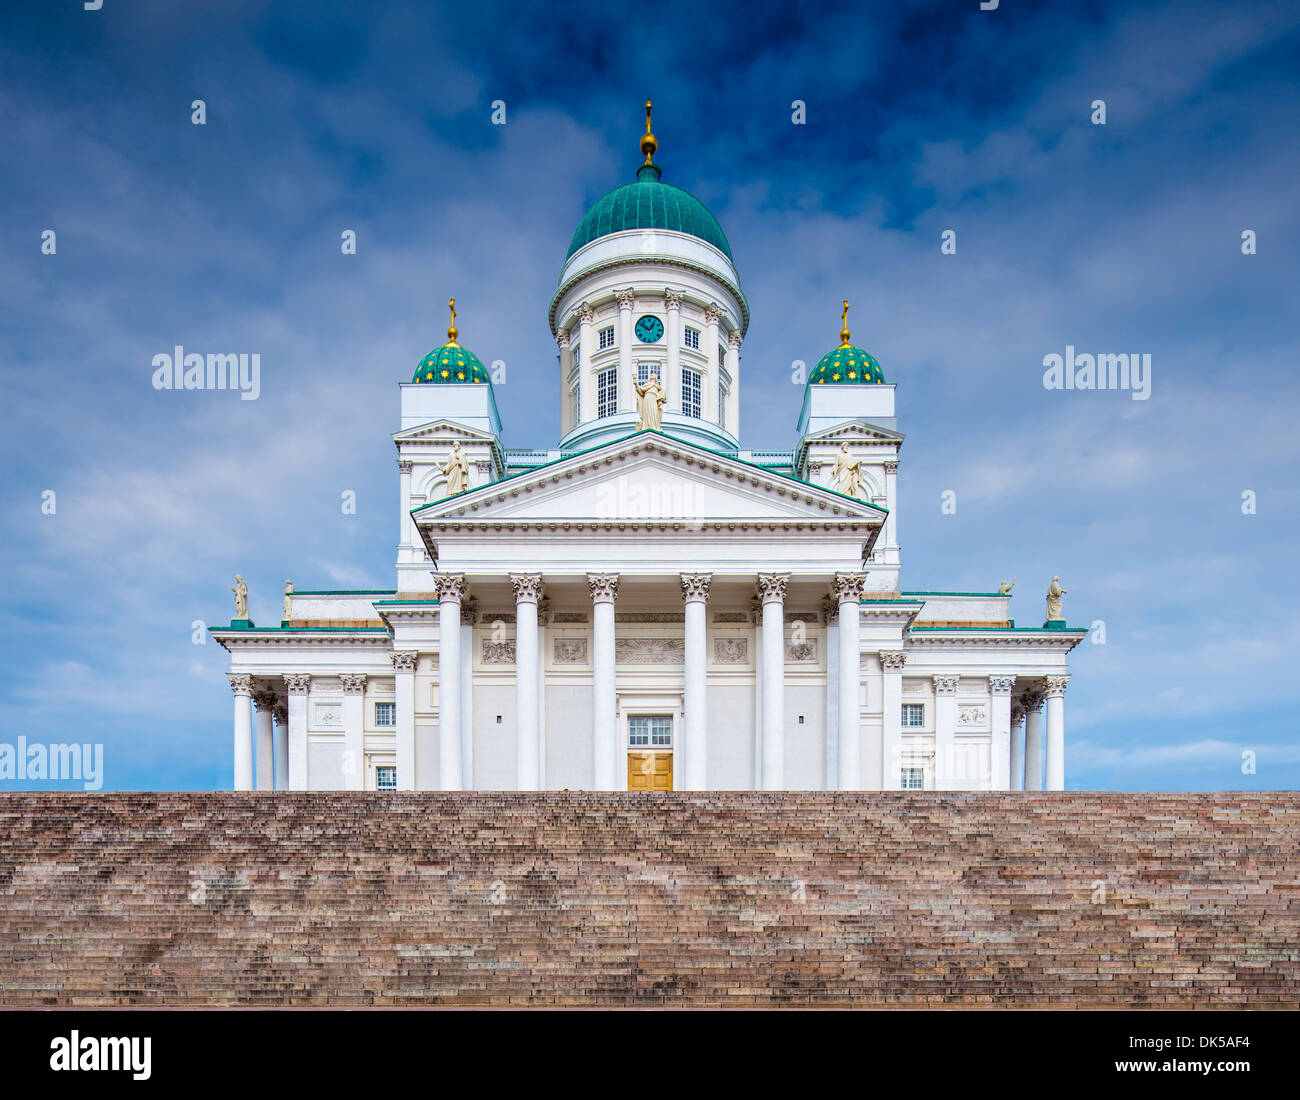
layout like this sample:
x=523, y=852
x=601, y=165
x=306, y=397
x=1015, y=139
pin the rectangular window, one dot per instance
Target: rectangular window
x=646, y=371
x=650, y=731
x=386, y=778
x=385, y=714
x=691, y=338
x=577, y=354
x=913, y=779
x=722, y=355
x=722, y=406
x=913, y=716
x=607, y=338
x=690, y=392
x=575, y=400
x=607, y=392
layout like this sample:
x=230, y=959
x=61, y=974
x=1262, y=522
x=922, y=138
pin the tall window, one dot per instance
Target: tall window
x=722, y=406
x=690, y=392
x=607, y=338
x=385, y=714
x=691, y=338
x=913, y=715
x=653, y=731
x=575, y=402
x=913, y=779
x=577, y=354
x=607, y=392
x=646, y=371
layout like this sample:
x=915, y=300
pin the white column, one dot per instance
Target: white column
x=1054, y=689
x=830, y=620
x=673, y=334
x=756, y=648
x=528, y=590
x=406, y=528
x=543, y=620
x=604, y=708
x=1033, y=742
x=1000, y=729
x=713, y=315
x=451, y=590
x=733, y=369
x=1017, y=747
x=945, y=729
x=242, y=686
x=281, y=716
x=626, y=303
x=695, y=596
x=891, y=718
x=587, y=383
x=298, y=685
x=264, y=702
x=468, y=617
x=771, y=590
x=404, y=665
x=846, y=590
x=566, y=367
x=354, y=720
x=890, y=546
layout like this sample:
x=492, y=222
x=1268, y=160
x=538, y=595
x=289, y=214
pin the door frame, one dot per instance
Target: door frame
x=642, y=705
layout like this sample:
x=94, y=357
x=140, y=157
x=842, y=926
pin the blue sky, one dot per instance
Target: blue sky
x=920, y=118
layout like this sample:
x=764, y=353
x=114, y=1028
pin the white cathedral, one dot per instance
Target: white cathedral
x=648, y=605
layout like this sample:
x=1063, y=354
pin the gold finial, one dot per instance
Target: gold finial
x=451, y=332
x=648, y=143
x=844, y=320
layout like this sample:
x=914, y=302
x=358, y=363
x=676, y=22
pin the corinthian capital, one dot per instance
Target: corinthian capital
x=404, y=660
x=695, y=586
x=733, y=339
x=1054, y=686
x=712, y=314
x=449, y=587
x=847, y=587
x=603, y=586
x=672, y=298
x=771, y=587
x=946, y=684
x=240, y=684
x=585, y=313
x=527, y=586
x=1001, y=685
x=562, y=338
x=626, y=298
x=297, y=683
x=893, y=660
x=354, y=683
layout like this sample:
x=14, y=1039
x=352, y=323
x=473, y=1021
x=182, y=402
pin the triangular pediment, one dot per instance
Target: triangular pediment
x=440, y=431
x=653, y=477
x=851, y=430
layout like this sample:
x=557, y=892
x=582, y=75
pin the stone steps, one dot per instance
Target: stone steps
x=734, y=898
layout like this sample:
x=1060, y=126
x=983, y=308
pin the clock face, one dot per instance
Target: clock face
x=649, y=329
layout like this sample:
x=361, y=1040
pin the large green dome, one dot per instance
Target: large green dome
x=649, y=204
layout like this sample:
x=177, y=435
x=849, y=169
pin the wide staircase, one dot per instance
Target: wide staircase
x=731, y=899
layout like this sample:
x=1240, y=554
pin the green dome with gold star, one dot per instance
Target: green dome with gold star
x=846, y=365
x=451, y=363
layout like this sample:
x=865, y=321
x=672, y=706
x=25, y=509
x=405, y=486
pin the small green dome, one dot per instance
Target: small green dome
x=649, y=204
x=451, y=363
x=846, y=365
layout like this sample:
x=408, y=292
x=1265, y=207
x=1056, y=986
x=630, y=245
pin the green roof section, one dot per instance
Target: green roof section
x=648, y=203
x=451, y=364
x=847, y=366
